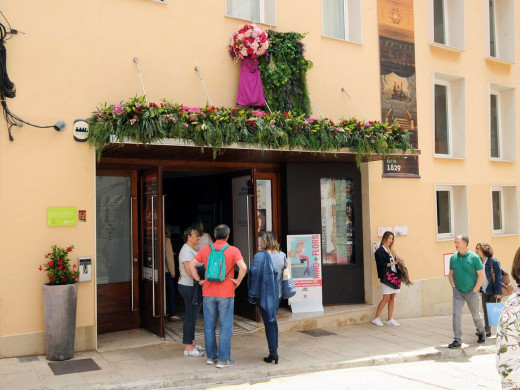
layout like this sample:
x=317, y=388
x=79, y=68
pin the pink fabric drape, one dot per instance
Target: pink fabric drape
x=250, y=89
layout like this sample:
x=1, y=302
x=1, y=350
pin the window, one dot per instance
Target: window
x=501, y=30
x=342, y=19
x=502, y=123
x=452, y=211
x=448, y=22
x=262, y=11
x=504, y=210
x=449, y=119
x=442, y=137
x=496, y=207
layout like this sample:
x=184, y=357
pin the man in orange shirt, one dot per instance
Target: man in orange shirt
x=219, y=298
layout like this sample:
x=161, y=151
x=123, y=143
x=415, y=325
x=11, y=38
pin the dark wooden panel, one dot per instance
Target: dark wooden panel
x=114, y=308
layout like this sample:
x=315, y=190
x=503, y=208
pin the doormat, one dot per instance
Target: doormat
x=73, y=366
x=318, y=332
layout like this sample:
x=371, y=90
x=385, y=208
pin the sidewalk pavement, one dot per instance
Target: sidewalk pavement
x=164, y=365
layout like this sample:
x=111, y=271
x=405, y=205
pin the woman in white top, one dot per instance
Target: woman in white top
x=186, y=289
x=205, y=238
x=508, y=334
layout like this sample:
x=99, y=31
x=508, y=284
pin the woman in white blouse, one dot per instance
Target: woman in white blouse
x=508, y=334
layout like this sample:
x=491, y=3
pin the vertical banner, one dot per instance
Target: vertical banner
x=398, y=85
x=304, y=253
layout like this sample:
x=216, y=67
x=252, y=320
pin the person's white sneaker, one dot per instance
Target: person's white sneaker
x=392, y=322
x=377, y=321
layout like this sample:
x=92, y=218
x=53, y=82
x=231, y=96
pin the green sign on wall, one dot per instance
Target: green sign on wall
x=62, y=216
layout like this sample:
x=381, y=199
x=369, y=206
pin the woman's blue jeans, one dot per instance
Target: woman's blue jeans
x=271, y=332
x=192, y=313
x=170, y=294
x=222, y=308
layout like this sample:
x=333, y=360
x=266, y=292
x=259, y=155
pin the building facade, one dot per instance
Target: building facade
x=74, y=56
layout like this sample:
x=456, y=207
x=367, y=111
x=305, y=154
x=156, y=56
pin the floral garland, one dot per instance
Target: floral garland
x=219, y=127
x=249, y=41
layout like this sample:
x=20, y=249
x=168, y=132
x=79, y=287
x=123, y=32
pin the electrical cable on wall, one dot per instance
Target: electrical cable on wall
x=8, y=89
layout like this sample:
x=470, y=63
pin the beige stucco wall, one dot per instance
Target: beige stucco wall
x=75, y=55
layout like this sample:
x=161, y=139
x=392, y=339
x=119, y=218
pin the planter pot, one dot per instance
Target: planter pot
x=59, y=310
x=250, y=88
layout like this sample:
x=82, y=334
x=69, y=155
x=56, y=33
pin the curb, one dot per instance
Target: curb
x=239, y=375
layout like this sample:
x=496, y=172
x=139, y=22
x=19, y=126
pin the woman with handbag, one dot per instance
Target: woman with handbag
x=265, y=288
x=387, y=272
x=491, y=290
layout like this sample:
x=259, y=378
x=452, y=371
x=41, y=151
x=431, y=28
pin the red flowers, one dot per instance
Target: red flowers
x=58, y=268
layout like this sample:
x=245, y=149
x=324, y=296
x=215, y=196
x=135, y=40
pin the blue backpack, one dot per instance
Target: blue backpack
x=216, y=267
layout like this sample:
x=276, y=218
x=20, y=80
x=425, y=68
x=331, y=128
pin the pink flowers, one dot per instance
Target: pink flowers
x=119, y=109
x=249, y=41
x=259, y=113
x=133, y=120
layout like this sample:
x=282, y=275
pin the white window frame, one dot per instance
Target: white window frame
x=352, y=21
x=456, y=100
x=267, y=14
x=453, y=23
x=506, y=101
x=508, y=210
x=504, y=31
x=459, y=222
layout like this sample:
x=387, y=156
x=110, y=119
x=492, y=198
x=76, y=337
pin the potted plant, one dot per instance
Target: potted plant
x=60, y=295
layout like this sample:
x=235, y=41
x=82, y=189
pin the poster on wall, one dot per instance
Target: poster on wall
x=398, y=83
x=264, y=205
x=150, y=266
x=337, y=221
x=304, y=263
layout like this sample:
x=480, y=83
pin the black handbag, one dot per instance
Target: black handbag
x=391, y=279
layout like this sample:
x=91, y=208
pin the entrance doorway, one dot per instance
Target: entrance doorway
x=133, y=208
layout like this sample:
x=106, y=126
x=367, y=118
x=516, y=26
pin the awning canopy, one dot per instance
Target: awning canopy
x=176, y=150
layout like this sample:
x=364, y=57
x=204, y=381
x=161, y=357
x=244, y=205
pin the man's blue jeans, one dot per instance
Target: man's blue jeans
x=223, y=308
x=191, y=315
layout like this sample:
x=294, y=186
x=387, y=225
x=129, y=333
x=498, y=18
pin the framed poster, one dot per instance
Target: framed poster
x=304, y=263
x=337, y=221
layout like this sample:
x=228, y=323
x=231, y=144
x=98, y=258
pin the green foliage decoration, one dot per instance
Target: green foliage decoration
x=284, y=73
x=219, y=127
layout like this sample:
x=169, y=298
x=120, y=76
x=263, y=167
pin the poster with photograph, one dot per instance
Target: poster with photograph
x=304, y=263
x=264, y=205
x=337, y=221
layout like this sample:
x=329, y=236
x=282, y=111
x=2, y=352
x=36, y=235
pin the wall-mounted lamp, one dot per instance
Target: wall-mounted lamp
x=60, y=126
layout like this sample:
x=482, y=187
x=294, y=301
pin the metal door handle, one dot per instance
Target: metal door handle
x=132, y=198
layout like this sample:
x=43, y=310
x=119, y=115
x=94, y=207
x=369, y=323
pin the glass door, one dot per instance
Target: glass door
x=152, y=263
x=116, y=251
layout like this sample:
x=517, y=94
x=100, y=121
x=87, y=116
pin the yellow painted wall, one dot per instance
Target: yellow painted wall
x=412, y=201
x=76, y=54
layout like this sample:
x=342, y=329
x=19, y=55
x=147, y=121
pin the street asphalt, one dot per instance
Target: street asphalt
x=164, y=365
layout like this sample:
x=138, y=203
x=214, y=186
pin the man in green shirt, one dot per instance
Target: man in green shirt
x=466, y=277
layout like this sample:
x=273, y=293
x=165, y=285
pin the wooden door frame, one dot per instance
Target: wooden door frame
x=152, y=319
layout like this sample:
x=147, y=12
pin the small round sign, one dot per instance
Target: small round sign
x=80, y=130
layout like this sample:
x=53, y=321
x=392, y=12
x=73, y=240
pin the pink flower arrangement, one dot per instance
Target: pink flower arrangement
x=249, y=41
